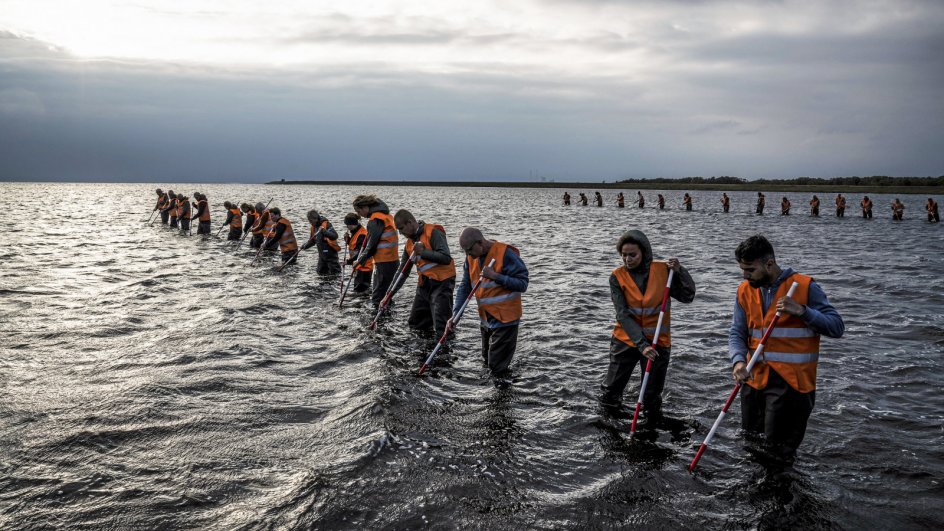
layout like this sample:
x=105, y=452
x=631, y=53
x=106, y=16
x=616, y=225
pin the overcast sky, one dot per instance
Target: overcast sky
x=212, y=90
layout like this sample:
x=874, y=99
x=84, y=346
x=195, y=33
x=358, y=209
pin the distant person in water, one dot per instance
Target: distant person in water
x=866, y=205
x=725, y=203
x=183, y=213
x=260, y=228
x=203, y=214
x=566, y=199
x=784, y=206
x=234, y=220
x=381, y=243
x=640, y=200
x=660, y=200
x=898, y=210
x=687, y=201
x=323, y=237
x=283, y=235
x=636, y=289
x=761, y=202
x=780, y=391
x=583, y=199
x=840, y=206
x=933, y=215
x=498, y=297
x=599, y=198
x=161, y=203
x=171, y=209
x=620, y=200
x=814, y=206
x=251, y=215
x=355, y=238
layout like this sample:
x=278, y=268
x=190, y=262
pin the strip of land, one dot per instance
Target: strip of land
x=851, y=185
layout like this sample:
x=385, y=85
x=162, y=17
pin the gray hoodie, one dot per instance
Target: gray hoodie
x=682, y=289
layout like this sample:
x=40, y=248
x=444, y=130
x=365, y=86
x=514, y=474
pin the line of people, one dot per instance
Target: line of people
x=866, y=205
x=780, y=392
x=372, y=253
x=177, y=211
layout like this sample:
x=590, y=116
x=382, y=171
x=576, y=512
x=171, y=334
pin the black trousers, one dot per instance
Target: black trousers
x=173, y=222
x=164, y=217
x=235, y=233
x=184, y=224
x=204, y=227
x=256, y=241
x=328, y=263
x=432, y=305
x=814, y=212
x=726, y=208
x=383, y=277
x=840, y=212
x=498, y=348
x=623, y=361
x=288, y=255
x=362, y=281
x=760, y=209
x=780, y=412
x=867, y=213
x=934, y=216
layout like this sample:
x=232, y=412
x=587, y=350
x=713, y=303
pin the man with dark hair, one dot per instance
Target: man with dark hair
x=260, y=229
x=761, y=202
x=781, y=388
x=170, y=209
x=866, y=205
x=814, y=206
x=161, y=203
x=432, y=304
x=725, y=202
x=324, y=238
x=636, y=288
x=499, y=297
x=381, y=243
x=234, y=220
x=840, y=206
x=282, y=235
x=785, y=206
x=934, y=215
x=202, y=215
x=251, y=216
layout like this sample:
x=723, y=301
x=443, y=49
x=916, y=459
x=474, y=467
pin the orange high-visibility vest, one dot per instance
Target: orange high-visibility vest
x=645, y=307
x=259, y=227
x=493, y=298
x=173, y=207
x=287, y=241
x=353, y=248
x=333, y=244
x=205, y=216
x=183, y=208
x=426, y=268
x=387, y=246
x=237, y=221
x=792, y=348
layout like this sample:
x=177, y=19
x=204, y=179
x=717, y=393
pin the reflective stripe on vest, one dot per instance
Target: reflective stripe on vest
x=645, y=307
x=259, y=228
x=792, y=348
x=432, y=270
x=287, y=241
x=387, y=246
x=494, y=299
x=353, y=247
x=237, y=221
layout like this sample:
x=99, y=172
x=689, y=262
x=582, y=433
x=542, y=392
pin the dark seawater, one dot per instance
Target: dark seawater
x=153, y=380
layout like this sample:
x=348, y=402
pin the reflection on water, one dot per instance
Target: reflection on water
x=153, y=379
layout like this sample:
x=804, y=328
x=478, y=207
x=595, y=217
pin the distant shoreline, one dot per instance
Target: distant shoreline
x=741, y=187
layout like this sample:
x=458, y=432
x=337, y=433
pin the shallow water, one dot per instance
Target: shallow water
x=155, y=380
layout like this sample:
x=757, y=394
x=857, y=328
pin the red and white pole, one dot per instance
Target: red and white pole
x=655, y=341
x=386, y=300
x=737, y=387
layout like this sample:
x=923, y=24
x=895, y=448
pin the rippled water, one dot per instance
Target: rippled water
x=155, y=380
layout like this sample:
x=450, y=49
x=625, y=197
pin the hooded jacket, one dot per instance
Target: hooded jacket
x=682, y=289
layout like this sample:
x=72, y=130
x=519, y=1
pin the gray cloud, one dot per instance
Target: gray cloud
x=757, y=104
